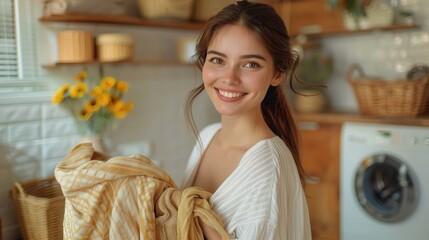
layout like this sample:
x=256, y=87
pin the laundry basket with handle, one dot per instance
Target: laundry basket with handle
x=379, y=97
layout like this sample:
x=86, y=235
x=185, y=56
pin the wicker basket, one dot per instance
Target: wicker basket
x=401, y=98
x=39, y=206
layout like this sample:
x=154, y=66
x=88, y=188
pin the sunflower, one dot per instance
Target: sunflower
x=107, y=83
x=129, y=106
x=81, y=76
x=60, y=94
x=122, y=86
x=97, y=91
x=120, y=109
x=103, y=99
x=78, y=90
x=113, y=100
x=85, y=114
x=92, y=105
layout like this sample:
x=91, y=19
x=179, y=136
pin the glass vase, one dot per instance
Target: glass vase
x=97, y=142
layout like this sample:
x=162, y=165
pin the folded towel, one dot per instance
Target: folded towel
x=128, y=198
x=54, y=7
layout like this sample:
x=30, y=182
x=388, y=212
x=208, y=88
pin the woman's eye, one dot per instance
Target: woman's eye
x=216, y=60
x=252, y=65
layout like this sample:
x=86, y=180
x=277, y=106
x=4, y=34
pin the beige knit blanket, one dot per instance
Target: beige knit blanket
x=128, y=198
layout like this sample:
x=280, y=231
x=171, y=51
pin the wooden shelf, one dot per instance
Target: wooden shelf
x=135, y=62
x=395, y=27
x=339, y=118
x=188, y=25
x=123, y=20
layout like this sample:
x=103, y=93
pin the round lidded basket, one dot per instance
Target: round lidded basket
x=398, y=98
x=112, y=47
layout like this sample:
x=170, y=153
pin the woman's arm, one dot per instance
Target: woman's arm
x=209, y=233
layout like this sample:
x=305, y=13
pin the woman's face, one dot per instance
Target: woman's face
x=238, y=71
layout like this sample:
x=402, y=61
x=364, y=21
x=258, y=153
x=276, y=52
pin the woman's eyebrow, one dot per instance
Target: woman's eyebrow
x=253, y=56
x=243, y=56
x=216, y=53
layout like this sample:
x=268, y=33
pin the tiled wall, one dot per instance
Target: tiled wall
x=32, y=140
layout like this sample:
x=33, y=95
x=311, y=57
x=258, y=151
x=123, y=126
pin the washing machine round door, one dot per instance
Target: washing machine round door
x=386, y=188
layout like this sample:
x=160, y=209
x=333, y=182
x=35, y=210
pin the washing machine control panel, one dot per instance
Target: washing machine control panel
x=391, y=137
x=416, y=139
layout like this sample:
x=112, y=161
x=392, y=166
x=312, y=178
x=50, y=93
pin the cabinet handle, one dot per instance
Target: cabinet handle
x=312, y=180
x=308, y=126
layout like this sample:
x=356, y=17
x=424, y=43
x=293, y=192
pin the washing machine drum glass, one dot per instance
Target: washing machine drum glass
x=386, y=188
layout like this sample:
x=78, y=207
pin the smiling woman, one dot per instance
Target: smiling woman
x=249, y=161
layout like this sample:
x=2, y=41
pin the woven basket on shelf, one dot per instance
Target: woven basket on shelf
x=401, y=98
x=39, y=205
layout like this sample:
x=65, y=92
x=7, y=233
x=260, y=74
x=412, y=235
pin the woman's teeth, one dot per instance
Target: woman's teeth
x=230, y=94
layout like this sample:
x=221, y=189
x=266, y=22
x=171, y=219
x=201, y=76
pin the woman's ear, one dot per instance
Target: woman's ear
x=277, y=79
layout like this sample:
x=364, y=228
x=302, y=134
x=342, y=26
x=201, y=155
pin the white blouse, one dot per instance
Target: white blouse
x=263, y=197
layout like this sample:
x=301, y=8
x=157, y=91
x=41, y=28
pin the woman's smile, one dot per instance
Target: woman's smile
x=228, y=95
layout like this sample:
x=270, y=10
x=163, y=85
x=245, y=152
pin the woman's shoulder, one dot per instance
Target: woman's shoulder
x=271, y=150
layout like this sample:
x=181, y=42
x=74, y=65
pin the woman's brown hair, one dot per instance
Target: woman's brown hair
x=263, y=20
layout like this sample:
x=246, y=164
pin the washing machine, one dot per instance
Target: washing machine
x=384, y=182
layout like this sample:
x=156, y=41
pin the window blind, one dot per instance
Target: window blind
x=18, y=56
x=8, y=43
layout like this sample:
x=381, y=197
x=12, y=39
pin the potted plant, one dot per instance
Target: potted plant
x=355, y=16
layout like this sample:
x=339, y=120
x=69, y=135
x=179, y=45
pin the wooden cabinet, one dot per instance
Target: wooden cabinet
x=320, y=145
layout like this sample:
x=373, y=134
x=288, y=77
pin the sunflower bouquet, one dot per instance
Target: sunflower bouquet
x=94, y=107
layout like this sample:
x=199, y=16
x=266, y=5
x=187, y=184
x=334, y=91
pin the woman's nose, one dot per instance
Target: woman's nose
x=231, y=76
